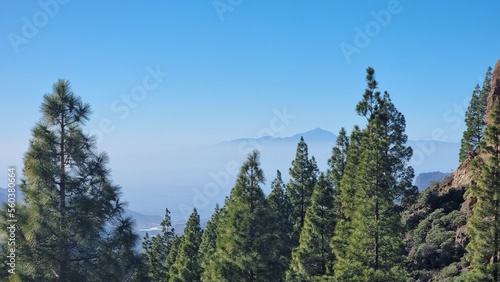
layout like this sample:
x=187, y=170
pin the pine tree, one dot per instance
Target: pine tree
x=374, y=247
x=484, y=225
x=475, y=118
x=281, y=228
x=243, y=243
x=303, y=175
x=72, y=226
x=345, y=197
x=208, y=245
x=335, y=172
x=172, y=258
x=187, y=266
x=158, y=248
x=339, y=157
x=313, y=258
x=347, y=181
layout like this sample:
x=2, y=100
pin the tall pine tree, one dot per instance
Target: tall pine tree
x=337, y=165
x=345, y=193
x=280, y=229
x=172, y=258
x=187, y=264
x=208, y=245
x=303, y=176
x=484, y=225
x=243, y=252
x=313, y=259
x=475, y=118
x=157, y=249
x=72, y=226
x=374, y=248
x=346, y=187
x=338, y=159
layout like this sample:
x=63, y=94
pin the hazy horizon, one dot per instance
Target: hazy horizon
x=202, y=176
x=169, y=77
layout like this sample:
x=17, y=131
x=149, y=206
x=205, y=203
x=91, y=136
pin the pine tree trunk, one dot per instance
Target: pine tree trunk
x=302, y=202
x=64, y=252
x=376, y=236
x=377, y=218
x=495, y=245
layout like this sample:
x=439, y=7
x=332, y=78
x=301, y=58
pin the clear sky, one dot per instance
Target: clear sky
x=232, y=64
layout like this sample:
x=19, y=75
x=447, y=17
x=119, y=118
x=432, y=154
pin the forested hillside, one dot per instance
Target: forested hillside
x=360, y=220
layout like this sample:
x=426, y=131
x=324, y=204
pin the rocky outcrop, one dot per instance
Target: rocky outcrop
x=461, y=237
x=462, y=176
x=495, y=91
x=449, y=194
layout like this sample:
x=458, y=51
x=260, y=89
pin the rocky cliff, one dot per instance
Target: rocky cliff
x=462, y=177
x=495, y=91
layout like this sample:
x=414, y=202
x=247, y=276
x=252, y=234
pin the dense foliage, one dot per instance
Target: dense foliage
x=70, y=226
x=484, y=225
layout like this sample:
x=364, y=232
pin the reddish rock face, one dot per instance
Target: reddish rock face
x=495, y=91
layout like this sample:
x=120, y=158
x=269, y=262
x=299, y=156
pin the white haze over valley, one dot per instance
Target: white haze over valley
x=182, y=179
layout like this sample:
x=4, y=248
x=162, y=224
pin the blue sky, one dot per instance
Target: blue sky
x=232, y=64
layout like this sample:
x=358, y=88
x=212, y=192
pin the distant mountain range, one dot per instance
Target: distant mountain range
x=425, y=179
x=315, y=135
x=203, y=177
x=434, y=155
x=428, y=155
x=145, y=222
x=210, y=173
